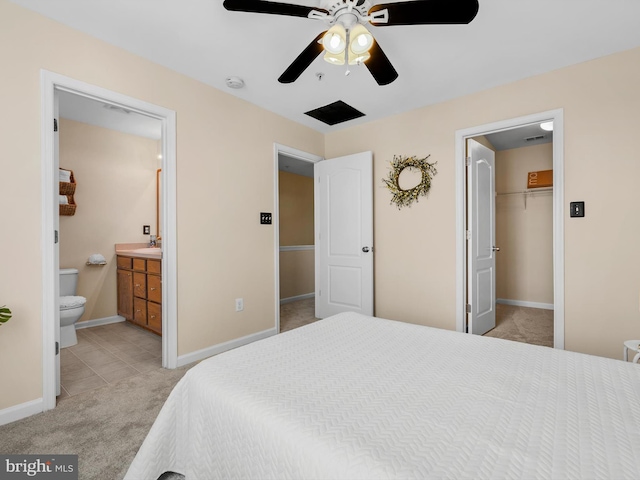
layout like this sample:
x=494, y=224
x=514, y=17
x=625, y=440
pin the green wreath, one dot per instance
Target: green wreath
x=404, y=198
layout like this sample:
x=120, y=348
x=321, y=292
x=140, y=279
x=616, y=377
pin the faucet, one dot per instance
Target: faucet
x=152, y=241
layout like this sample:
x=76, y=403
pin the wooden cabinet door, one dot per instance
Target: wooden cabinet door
x=154, y=317
x=125, y=294
x=139, y=285
x=140, y=311
x=154, y=288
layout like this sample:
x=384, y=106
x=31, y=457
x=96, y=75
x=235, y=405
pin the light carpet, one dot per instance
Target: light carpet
x=104, y=427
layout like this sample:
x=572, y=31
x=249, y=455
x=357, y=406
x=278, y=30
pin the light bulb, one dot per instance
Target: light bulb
x=334, y=41
x=358, y=59
x=548, y=126
x=334, y=59
x=361, y=39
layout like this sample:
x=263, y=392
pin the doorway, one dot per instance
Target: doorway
x=51, y=84
x=294, y=237
x=467, y=291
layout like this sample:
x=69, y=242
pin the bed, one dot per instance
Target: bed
x=358, y=397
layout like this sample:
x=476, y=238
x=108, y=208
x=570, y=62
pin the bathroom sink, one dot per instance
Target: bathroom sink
x=147, y=252
x=153, y=250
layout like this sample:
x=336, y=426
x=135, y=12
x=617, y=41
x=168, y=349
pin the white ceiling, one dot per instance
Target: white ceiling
x=507, y=41
x=93, y=112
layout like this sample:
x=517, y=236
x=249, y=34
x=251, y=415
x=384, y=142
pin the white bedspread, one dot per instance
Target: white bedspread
x=357, y=397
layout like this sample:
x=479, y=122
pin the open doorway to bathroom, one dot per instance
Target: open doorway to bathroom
x=95, y=153
x=294, y=225
x=113, y=155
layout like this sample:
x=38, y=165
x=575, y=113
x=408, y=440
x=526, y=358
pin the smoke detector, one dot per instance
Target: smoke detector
x=234, y=82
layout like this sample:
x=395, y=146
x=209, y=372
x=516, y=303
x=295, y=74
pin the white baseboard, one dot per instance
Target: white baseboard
x=99, y=321
x=297, y=297
x=524, y=303
x=23, y=410
x=223, y=347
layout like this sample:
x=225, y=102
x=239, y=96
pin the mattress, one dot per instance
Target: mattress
x=357, y=397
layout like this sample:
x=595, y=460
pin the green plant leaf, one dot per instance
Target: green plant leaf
x=5, y=314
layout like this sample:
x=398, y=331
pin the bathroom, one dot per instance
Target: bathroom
x=114, y=155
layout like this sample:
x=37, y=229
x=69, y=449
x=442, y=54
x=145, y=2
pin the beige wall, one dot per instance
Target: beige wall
x=295, y=209
x=223, y=251
x=415, y=247
x=524, y=265
x=415, y=254
x=297, y=268
x=116, y=195
x=297, y=273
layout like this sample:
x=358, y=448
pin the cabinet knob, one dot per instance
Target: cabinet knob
x=138, y=311
x=137, y=284
x=153, y=316
x=153, y=288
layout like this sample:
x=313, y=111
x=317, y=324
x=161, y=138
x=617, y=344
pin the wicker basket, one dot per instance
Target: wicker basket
x=68, y=188
x=69, y=209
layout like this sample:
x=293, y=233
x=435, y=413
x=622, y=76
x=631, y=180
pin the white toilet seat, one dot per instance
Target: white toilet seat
x=71, y=301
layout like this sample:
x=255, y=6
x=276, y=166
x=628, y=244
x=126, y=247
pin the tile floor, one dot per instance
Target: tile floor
x=106, y=354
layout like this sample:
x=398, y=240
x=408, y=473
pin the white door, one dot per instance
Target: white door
x=56, y=225
x=481, y=249
x=344, y=235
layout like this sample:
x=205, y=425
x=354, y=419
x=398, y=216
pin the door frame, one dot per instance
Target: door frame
x=50, y=82
x=557, y=116
x=305, y=157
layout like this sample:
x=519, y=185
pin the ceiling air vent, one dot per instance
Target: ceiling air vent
x=334, y=113
x=531, y=139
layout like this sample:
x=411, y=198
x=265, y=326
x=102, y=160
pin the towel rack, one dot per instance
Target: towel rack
x=526, y=193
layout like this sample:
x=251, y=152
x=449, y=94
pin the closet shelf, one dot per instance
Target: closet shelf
x=68, y=189
x=526, y=193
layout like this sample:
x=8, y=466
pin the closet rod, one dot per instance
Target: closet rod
x=527, y=192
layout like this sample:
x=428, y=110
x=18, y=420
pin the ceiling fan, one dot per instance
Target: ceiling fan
x=348, y=40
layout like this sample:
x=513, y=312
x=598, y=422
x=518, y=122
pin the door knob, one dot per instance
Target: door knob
x=495, y=249
x=365, y=249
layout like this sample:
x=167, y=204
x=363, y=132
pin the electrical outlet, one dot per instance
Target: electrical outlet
x=146, y=229
x=239, y=304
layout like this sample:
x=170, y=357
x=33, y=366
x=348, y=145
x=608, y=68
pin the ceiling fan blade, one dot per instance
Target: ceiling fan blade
x=303, y=61
x=275, y=8
x=428, y=12
x=380, y=66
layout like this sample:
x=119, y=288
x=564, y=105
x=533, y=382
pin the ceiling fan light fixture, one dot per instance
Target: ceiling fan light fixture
x=361, y=39
x=333, y=58
x=357, y=59
x=335, y=40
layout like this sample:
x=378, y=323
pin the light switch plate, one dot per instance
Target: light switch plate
x=265, y=218
x=577, y=209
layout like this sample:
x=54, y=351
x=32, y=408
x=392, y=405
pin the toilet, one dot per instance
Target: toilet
x=71, y=306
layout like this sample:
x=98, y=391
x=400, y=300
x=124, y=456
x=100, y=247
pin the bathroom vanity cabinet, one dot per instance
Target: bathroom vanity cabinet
x=140, y=291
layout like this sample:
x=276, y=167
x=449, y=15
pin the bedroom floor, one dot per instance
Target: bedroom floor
x=105, y=355
x=523, y=324
x=296, y=314
x=519, y=324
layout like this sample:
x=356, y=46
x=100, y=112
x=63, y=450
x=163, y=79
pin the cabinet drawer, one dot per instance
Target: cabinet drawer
x=140, y=264
x=154, y=316
x=139, y=285
x=124, y=262
x=154, y=288
x=140, y=311
x=154, y=266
